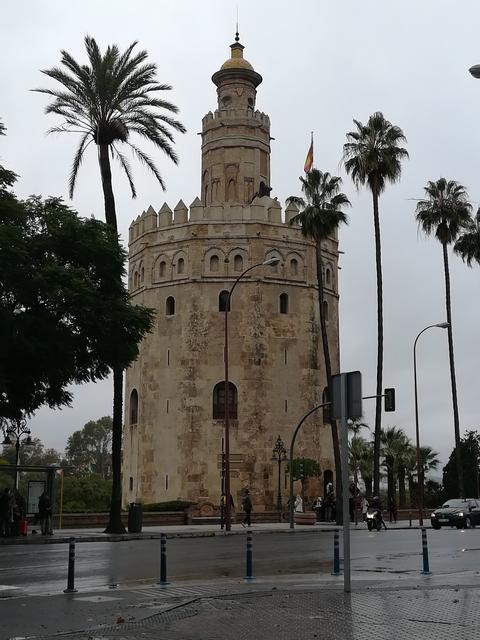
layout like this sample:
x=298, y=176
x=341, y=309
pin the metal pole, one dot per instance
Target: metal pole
x=344, y=457
x=336, y=554
x=249, y=572
x=163, y=560
x=17, y=459
x=71, y=568
x=228, y=525
x=292, y=444
x=426, y=566
x=417, y=436
x=61, y=501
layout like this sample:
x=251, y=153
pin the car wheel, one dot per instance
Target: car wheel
x=435, y=525
x=468, y=523
x=379, y=525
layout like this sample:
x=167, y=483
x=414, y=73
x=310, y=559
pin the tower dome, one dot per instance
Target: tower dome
x=236, y=67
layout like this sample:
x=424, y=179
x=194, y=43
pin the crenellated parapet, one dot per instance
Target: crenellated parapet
x=264, y=210
x=222, y=115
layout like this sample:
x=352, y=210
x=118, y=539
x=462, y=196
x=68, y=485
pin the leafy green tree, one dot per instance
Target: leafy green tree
x=85, y=493
x=88, y=450
x=469, y=459
x=65, y=314
x=32, y=454
x=445, y=213
x=393, y=440
x=468, y=244
x=107, y=101
x=372, y=156
x=321, y=213
x=302, y=469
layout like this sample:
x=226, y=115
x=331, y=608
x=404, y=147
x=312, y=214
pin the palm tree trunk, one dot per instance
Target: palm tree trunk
x=412, y=491
x=115, y=521
x=368, y=486
x=328, y=371
x=401, y=487
x=378, y=403
x=456, y=423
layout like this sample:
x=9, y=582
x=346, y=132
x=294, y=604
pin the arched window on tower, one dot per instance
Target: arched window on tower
x=223, y=301
x=328, y=277
x=135, y=280
x=170, y=306
x=142, y=274
x=294, y=267
x=134, y=407
x=238, y=263
x=283, y=303
x=162, y=269
x=180, y=265
x=219, y=401
x=231, y=192
x=325, y=310
x=214, y=262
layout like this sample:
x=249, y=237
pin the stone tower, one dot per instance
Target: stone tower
x=182, y=263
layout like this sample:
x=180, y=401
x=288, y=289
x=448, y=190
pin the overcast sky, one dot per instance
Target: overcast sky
x=323, y=63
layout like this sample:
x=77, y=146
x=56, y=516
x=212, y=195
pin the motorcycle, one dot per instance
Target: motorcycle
x=374, y=519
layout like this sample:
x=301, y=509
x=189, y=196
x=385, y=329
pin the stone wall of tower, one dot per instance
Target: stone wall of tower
x=172, y=448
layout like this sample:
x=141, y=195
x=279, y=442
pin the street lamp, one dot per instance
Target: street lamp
x=441, y=325
x=11, y=435
x=271, y=262
x=279, y=453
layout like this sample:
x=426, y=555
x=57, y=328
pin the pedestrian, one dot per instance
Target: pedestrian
x=6, y=504
x=364, y=507
x=247, y=508
x=351, y=500
x=392, y=509
x=18, y=510
x=329, y=503
x=45, y=514
x=299, y=504
x=318, y=508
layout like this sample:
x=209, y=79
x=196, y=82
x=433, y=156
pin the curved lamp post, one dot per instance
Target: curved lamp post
x=440, y=325
x=271, y=262
x=12, y=433
x=279, y=454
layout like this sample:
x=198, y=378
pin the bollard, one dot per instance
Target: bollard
x=163, y=560
x=336, y=554
x=426, y=567
x=410, y=518
x=71, y=568
x=249, y=575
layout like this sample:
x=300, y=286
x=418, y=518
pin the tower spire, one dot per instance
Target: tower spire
x=237, y=37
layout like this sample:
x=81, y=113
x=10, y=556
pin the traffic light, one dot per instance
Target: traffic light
x=389, y=395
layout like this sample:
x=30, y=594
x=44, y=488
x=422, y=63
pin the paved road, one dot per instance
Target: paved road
x=42, y=568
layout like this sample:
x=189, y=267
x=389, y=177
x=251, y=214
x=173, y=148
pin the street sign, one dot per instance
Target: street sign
x=354, y=395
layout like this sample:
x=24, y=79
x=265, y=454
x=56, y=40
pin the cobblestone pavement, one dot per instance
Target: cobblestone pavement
x=436, y=613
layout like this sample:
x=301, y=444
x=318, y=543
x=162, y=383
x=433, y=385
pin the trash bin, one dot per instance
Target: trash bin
x=135, y=517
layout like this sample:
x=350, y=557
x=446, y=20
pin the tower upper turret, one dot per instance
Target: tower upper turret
x=236, y=138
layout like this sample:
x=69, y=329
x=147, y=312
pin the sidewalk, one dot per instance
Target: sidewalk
x=188, y=531
x=291, y=609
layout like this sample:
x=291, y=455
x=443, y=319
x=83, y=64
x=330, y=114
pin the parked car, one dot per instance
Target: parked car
x=463, y=514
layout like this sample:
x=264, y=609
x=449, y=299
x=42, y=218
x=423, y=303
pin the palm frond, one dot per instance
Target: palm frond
x=126, y=167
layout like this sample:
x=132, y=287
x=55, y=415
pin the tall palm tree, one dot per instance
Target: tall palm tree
x=356, y=446
x=107, y=101
x=365, y=463
x=372, y=156
x=393, y=441
x=321, y=213
x=406, y=459
x=445, y=213
x=468, y=244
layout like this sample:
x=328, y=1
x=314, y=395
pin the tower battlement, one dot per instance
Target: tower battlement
x=265, y=209
x=236, y=114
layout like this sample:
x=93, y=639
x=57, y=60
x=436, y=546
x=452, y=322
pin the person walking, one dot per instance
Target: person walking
x=19, y=511
x=45, y=514
x=364, y=507
x=247, y=508
x=6, y=504
x=392, y=510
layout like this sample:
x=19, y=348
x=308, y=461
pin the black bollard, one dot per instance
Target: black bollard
x=426, y=567
x=336, y=554
x=163, y=560
x=410, y=518
x=71, y=568
x=249, y=575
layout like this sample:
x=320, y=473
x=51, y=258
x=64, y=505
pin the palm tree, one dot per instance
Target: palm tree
x=106, y=102
x=320, y=216
x=372, y=156
x=356, y=449
x=406, y=459
x=2, y=128
x=445, y=213
x=468, y=244
x=393, y=440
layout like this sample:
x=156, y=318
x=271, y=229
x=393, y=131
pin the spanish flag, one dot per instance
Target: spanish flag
x=309, y=158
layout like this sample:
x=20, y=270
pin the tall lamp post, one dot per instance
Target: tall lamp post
x=279, y=453
x=441, y=325
x=271, y=262
x=12, y=433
